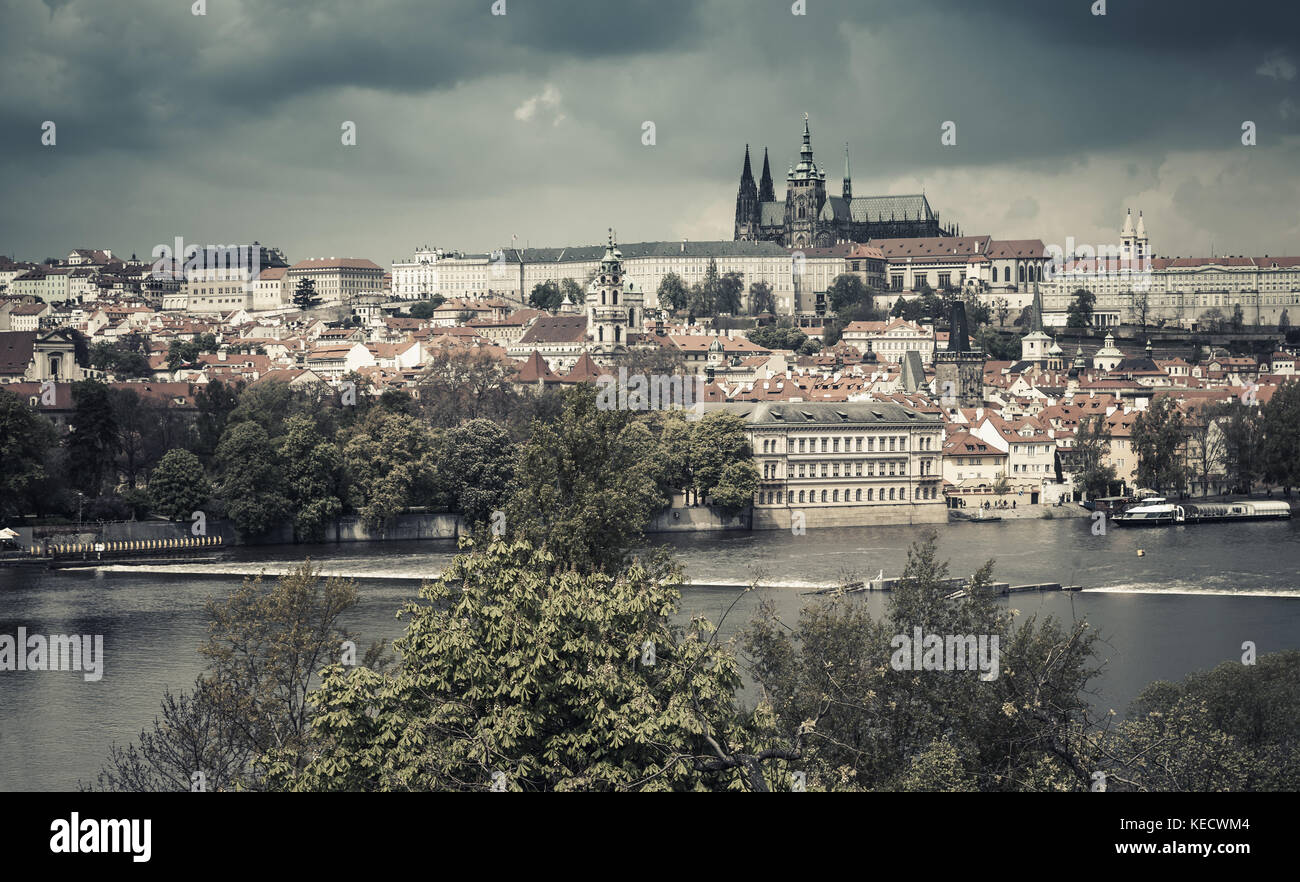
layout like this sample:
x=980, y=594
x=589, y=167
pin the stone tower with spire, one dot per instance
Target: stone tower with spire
x=614, y=305
x=805, y=194
x=959, y=369
x=747, y=200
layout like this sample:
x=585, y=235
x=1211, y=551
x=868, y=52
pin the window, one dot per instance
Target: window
x=891, y=494
x=859, y=495
x=801, y=496
x=823, y=496
x=835, y=496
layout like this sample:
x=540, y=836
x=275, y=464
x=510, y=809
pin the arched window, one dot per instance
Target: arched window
x=1022, y=272
x=835, y=497
x=801, y=496
x=859, y=496
x=891, y=493
x=823, y=496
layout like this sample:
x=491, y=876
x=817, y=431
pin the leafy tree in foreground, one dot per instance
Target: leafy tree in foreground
x=266, y=644
x=1235, y=727
x=520, y=675
x=873, y=726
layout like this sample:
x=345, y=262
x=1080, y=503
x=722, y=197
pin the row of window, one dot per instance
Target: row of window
x=832, y=444
x=896, y=467
x=860, y=494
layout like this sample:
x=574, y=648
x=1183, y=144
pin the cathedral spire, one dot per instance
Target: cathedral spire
x=746, y=174
x=765, y=191
x=848, y=178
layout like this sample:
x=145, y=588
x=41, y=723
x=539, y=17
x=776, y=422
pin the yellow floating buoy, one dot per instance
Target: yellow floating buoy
x=1141, y=553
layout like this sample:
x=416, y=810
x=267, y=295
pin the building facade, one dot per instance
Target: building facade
x=826, y=464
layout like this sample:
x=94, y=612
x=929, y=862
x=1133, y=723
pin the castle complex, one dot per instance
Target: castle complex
x=809, y=218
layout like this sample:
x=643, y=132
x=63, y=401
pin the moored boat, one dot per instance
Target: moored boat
x=1164, y=514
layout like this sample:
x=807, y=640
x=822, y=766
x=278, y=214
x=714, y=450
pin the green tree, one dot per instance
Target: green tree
x=718, y=441
x=26, y=438
x=777, y=337
x=1279, y=437
x=390, y=465
x=178, y=486
x=304, y=295
x=93, y=444
x=424, y=309
x=250, y=479
x=736, y=486
x=1159, y=433
x=527, y=676
x=1088, y=466
x=571, y=289
x=876, y=722
x=1232, y=728
x=1079, y=312
x=761, y=299
x=312, y=473
x=846, y=291
x=119, y=360
x=546, y=295
x=673, y=293
x=1243, y=458
x=585, y=486
x=704, y=294
x=478, y=458
x=214, y=401
x=730, y=289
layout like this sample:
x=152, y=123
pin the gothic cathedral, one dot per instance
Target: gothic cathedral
x=809, y=218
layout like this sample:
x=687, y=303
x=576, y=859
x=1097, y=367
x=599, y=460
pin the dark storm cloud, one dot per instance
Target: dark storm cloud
x=476, y=126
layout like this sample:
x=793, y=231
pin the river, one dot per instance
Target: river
x=1186, y=604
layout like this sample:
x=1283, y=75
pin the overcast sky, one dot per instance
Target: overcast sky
x=472, y=128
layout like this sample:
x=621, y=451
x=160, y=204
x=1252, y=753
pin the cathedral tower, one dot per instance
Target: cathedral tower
x=747, y=211
x=805, y=194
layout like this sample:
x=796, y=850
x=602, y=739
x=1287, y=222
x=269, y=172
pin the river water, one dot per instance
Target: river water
x=1186, y=604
